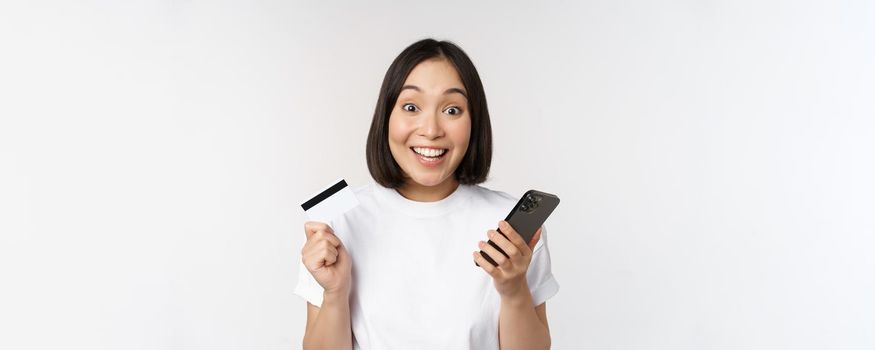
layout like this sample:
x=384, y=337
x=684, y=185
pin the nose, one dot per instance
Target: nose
x=430, y=127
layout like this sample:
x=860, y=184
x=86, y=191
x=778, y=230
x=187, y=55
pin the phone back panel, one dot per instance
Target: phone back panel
x=526, y=217
x=531, y=211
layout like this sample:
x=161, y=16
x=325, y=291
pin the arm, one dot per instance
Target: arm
x=325, y=257
x=521, y=325
x=329, y=327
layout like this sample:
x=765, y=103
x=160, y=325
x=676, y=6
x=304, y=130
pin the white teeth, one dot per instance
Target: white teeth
x=429, y=152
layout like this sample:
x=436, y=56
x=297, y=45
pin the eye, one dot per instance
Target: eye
x=453, y=110
x=409, y=107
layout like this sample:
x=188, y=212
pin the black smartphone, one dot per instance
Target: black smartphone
x=526, y=217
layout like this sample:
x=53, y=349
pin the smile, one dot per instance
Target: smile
x=429, y=157
x=429, y=152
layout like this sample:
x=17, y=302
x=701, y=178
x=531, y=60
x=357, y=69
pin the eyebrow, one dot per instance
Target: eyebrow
x=448, y=91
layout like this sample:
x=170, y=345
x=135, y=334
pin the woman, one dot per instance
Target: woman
x=398, y=271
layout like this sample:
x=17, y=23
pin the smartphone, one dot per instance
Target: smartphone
x=526, y=217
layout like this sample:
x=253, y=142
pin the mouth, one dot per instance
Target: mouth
x=429, y=156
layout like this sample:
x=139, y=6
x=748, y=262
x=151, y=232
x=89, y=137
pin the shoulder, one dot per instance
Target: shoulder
x=485, y=194
x=364, y=190
x=490, y=203
x=359, y=218
x=366, y=196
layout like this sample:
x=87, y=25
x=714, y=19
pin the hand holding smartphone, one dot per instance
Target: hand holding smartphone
x=526, y=217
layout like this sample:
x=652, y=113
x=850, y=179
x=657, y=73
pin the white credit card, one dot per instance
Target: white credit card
x=330, y=203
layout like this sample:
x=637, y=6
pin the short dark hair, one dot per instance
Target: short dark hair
x=475, y=165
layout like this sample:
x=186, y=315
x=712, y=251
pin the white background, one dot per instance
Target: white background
x=714, y=160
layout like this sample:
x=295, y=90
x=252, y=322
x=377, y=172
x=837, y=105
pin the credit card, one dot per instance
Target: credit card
x=330, y=203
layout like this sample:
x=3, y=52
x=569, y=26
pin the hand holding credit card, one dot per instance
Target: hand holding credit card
x=331, y=268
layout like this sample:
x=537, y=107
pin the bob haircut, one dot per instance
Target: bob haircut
x=474, y=167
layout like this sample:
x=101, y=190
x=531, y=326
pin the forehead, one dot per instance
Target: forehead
x=434, y=74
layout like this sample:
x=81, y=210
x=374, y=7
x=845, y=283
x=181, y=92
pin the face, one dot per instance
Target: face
x=429, y=127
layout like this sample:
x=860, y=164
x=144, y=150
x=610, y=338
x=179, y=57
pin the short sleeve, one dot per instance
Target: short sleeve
x=540, y=278
x=307, y=286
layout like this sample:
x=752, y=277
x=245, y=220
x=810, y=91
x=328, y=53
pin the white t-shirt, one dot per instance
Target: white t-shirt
x=414, y=282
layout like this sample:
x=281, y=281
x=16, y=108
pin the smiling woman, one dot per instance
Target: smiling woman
x=430, y=79
x=429, y=128
x=396, y=272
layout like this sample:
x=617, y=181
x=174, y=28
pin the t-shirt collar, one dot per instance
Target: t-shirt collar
x=454, y=201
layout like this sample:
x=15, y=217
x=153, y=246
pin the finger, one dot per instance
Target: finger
x=485, y=265
x=325, y=236
x=493, y=253
x=330, y=256
x=535, y=239
x=319, y=258
x=319, y=248
x=329, y=251
x=313, y=261
x=318, y=239
x=314, y=246
x=509, y=248
x=311, y=227
x=511, y=234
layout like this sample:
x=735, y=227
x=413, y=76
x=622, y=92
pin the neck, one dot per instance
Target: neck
x=416, y=192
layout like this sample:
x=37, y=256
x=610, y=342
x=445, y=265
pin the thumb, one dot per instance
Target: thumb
x=311, y=227
x=535, y=239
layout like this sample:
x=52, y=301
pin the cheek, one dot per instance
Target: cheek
x=460, y=134
x=399, y=131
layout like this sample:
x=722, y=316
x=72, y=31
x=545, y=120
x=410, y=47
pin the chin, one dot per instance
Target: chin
x=429, y=181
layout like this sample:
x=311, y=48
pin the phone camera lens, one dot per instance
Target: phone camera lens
x=530, y=203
